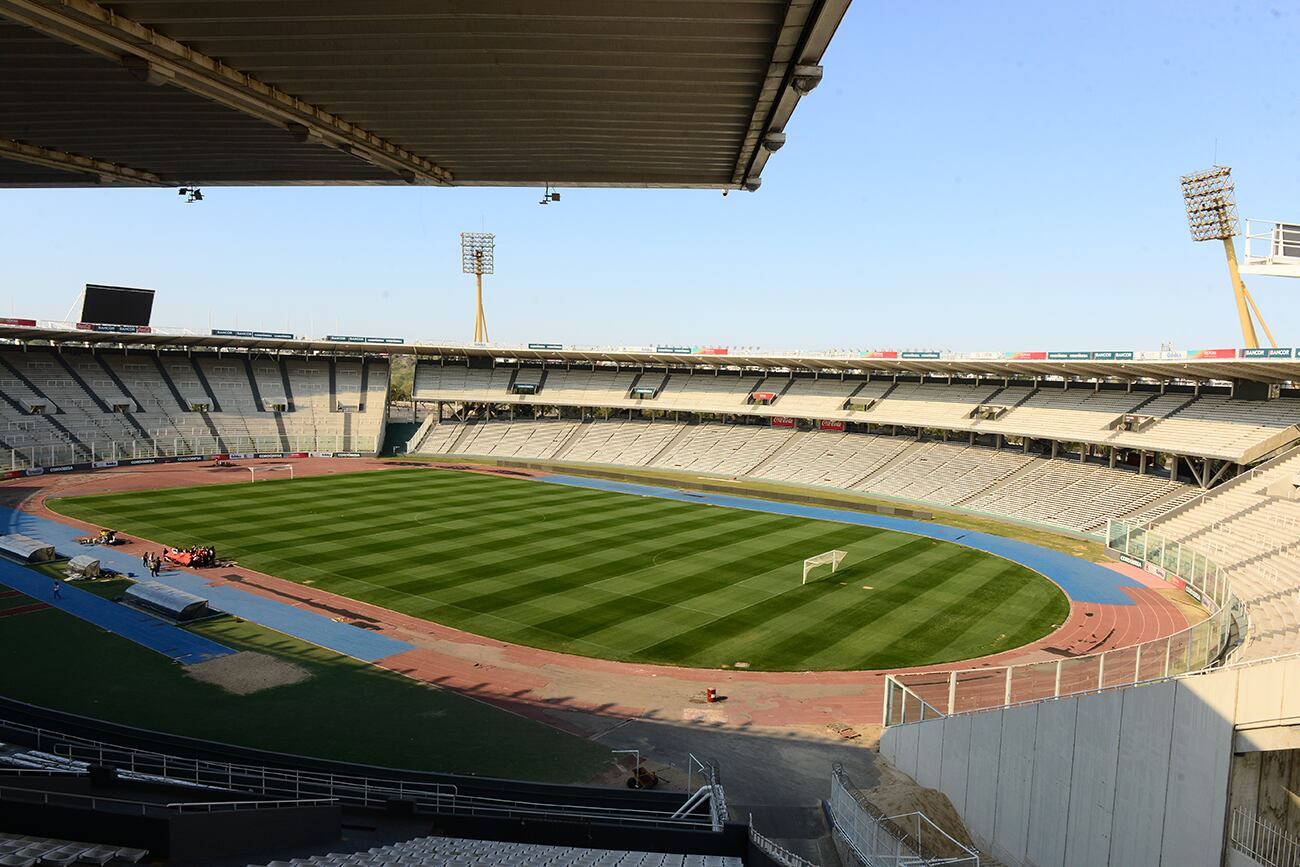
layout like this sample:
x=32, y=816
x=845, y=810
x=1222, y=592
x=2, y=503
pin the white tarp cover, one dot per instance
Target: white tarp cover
x=84, y=564
x=174, y=603
x=26, y=549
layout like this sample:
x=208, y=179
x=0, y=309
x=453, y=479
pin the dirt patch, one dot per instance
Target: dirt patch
x=246, y=672
x=898, y=794
x=1192, y=610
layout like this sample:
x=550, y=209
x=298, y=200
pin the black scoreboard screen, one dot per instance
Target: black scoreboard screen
x=116, y=305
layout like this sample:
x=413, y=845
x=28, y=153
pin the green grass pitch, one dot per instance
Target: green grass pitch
x=604, y=574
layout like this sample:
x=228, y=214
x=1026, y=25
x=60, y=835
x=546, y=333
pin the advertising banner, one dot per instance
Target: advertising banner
x=114, y=329
x=1025, y=356
x=1132, y=561
x=925, y=354
x=350, y=338
x=712, y=350
x=828, y=424
x=1211, y=353
x=880, y=355
x=258, y=335
x=1069, y=356
x=347, y=454
x=29, y=323
x=1112, y=356
x=674, y=350
x=782, y=421
x=546, y=346
x=1267, y=353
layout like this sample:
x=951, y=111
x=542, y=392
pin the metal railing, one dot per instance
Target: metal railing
x=917, y=696
x=776, y=851
x=54, y=454
x=296, y=785
x=1262, y=841
x=904, y=840
x=96, y=802
x=711, y=779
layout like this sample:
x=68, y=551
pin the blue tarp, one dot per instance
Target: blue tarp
x=171, y=641
x=281, y=616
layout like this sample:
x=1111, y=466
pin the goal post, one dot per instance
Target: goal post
x=262, y=469
x=831, y=557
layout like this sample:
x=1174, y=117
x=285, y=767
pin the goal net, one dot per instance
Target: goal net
x=261, y=471
x=831, y=557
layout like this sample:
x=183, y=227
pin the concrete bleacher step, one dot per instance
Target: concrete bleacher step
x=671, y=444
x=887, y=466
x=1000, y=484
x=784, y=447
x=284, y=382
x=570, y=440
x=468, y=429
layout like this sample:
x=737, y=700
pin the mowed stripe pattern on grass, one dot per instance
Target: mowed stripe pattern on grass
x=605, y=574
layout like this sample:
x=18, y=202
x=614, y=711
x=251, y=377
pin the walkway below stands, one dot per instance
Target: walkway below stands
x=593, y=696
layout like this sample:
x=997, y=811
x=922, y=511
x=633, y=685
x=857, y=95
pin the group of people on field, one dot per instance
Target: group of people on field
x=196, y=556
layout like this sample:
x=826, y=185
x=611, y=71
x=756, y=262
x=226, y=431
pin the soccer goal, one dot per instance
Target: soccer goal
x=260, y=471
x=831, y=557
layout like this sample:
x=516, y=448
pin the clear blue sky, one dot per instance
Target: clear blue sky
x=999, y=176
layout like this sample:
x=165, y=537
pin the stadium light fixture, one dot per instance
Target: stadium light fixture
x=477, y=257
x=1210, y=199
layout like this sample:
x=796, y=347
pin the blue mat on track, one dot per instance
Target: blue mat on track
x=317, y=629
x=1081, y=580
x=171, y=641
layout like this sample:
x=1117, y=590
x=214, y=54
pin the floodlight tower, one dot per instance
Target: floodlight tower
x=476, y=257
x=1212, y=216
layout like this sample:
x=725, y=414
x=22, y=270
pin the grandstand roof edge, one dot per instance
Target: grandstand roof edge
x=1274, y=370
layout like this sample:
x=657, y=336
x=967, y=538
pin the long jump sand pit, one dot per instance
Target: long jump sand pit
x=246, y=672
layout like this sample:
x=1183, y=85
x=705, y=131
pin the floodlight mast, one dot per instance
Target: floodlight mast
x=1210, y=198
x=477, y=257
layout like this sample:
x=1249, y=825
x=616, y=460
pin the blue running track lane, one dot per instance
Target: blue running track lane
x=317, y=629
x=173, y=642
x=1081, y=580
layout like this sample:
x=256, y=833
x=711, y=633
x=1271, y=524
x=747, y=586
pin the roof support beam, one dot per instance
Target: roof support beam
x=52, y=159
x=792, y=72
x=158, y=60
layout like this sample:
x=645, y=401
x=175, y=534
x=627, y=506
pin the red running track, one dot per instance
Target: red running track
x=591, y=695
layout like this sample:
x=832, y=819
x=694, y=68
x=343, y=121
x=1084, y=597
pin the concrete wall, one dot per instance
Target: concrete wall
x=1116, y=779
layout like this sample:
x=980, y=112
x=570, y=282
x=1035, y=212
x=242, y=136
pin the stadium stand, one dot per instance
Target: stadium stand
x=1209, y=425
x=66, y=407
x=451, y=852
x=25, y=851
x=1067, y=493
x=1251, y=527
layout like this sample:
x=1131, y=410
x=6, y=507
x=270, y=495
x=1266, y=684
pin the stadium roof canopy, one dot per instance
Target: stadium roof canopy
x=627, y=93
x=1169, y=367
